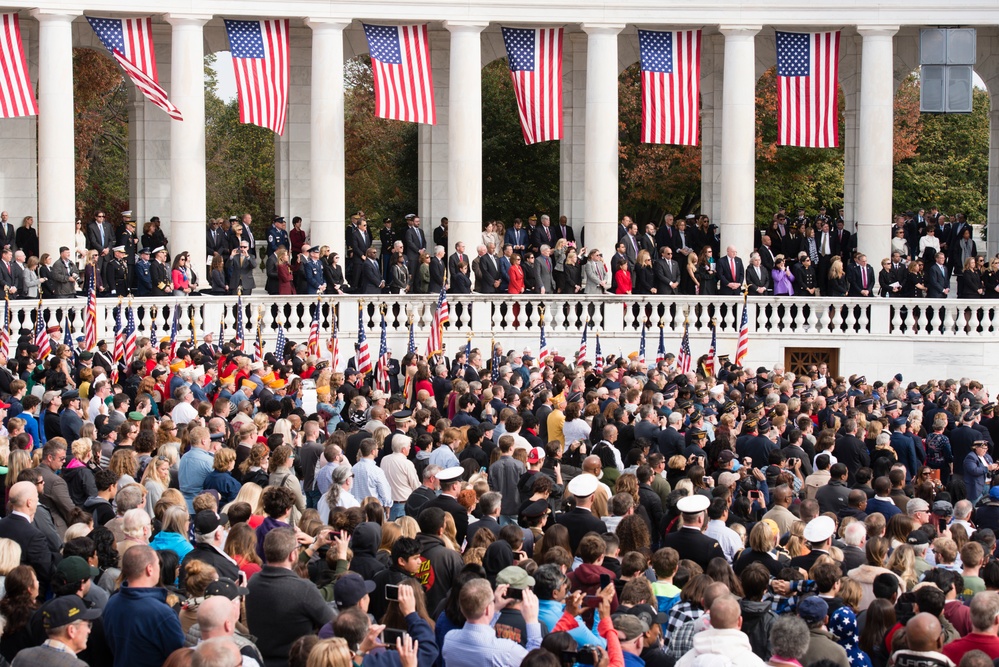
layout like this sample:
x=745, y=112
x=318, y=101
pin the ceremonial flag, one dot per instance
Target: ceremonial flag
x=807, y=78
x=709, y=363
x=152, y=329
x=535, y=56
x=468, y=349
x=661, y=352
x=130, y=335
x=683, y=359
x=222, y=326
x=258, y=343
x=543, y=344
x=17, y=96
x=495, y=362
x=41, y=334
x=239, y=322
x=118, y=352
x=90, y=316
x=671, y=81
x=67, y=340
x=282, y=341
x=130, y=41
x=641, y=345
x=333, y=345
x=435, y=343
x=400, y=63
x=412, y=336
x=363, y=353
x=581, y=352
x=742, y=347
x=382, y=373
x=5, y=332
x=174, y=331
x=260, y=59
x=598, y=362
x=313, y=344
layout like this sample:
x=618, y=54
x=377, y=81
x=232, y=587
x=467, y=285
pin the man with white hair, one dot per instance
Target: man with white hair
x=962, y=514
x=855, y=537
x=401, y=474
x=184, y=411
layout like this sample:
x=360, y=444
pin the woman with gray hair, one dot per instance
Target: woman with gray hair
x=788, y=640
x=339, y=492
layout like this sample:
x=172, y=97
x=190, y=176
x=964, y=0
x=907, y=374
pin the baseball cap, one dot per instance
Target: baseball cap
x=629, y=626
x=227, y=588
x=350, y=589
x=535, y=455
x=207, y=521
x=648, y=614
x=514, y=577
x=74, y=568
x=813, y=609
x=64, y=610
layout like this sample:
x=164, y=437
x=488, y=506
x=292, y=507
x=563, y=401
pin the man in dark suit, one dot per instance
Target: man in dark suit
x=517, y=237
x=564, y=230
x=543, y=234
x=647, y=241
x=101, y=237
x=241, y=267
x=457, y=258
x=7, y=232
x=486, y=272
x=758, y=278
x=818, y=534
x=19, y=527
x=7, y=278
x=159, y=271
x=767, y=253
x=842, y=241
x=208, y=346
x=370, y=281
x=580, y=520
x=938, y=278
x=689, y=541
x=440, y=233
x=851, y=450
x=216, y=240
x=413, y=240
x=731, y=274
x=358, y=242
x=665, y=272
x=861, y=277
x=437, y=271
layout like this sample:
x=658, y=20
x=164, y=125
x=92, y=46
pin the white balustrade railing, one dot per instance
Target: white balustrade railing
x=505, y=316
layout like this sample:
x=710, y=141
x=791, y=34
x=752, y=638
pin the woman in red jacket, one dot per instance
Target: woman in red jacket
x=622, y=279
x=286, y=279
x=516, y=283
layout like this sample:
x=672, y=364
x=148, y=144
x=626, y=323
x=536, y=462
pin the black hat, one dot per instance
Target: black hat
x=145, y=251
x=207, y=521
x=536, y=509
x=226, y=588
x=64, y=610
x=648, y=613
x=350, y=589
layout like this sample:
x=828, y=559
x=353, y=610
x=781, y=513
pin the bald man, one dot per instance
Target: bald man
x=779, y=512
x=217, y=618
x=218, y=651
x=19, y=526
x=593, y=466
x=924, y=637
x=724, y=638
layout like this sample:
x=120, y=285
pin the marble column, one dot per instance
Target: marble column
x=736, y=216
x=600, y=162
x=56, y=159
x=874, y=142
x=326, y=161
x=464, y=164
x=188, y=206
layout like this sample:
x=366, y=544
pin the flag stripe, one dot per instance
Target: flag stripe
x=670, y=99
x=17, y=97
x=260, y=63
x=807, y=90
x=538, y=88
x=400, y=62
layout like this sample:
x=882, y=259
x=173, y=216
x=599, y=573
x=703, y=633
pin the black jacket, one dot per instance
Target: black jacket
x=34, y=549
x=281, y=608
x=226, y=568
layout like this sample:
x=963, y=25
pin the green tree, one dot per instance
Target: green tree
x=517, y=179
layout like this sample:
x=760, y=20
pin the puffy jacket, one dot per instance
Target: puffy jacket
x=732, y=644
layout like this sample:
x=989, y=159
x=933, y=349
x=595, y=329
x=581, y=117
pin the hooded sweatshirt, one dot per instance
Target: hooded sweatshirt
x=364, y=542
x=757, y=620
x=586, y=578
x=731, y=644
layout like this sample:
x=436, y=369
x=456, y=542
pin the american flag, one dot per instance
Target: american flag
x=581, y=352
x=313, y=344
x=222, y=326
x=258, y=344
x=90, y=316
x=152, y=329
x=118, y=352
x=174, y=331
x=661, y=352
x=495, y=362
x=363, y=353
x=382, y=372
x=535, y=56
x=333, y=345
x=130, y=41
x=641, y=344
x=709, y=363
x=130, y=334
x=260, y=59
x=435, y=343
x=5, y=332
x=468, y=349
x=239, y=322
x=17, y=97
x=41, y=334
x=671, y=80
x=67, y=340
x=412, y=336
x=542, y=344
x=742, y=347
x=807, y=78
x=683, y=359
x=598, y=361
x=281, y=342
x=400, y=62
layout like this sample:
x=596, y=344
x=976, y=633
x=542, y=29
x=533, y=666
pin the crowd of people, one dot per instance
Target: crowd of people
x=194, y=511
x=803, y=256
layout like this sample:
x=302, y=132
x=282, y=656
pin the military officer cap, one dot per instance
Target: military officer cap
x=819, y=529
x=693, y=504
x=583, y=485
x=450, y=474
x=118, y=248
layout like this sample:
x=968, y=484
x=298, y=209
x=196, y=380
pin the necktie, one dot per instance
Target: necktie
x=863, y=276
x=634, y=245
x=101, y=227
x=563, y=232
x=731, y=263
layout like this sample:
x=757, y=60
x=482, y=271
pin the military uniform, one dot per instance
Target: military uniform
x=457, y=512
x=117, y=276
x=143, y=277
x=694, y=545
x=161, y=279
x=277, y=237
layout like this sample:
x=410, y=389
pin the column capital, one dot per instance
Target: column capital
x=602, y=28
x=197, y=20
x=327, y=23
x=66, y=15
x=877, y=30
x=740, y=30
x=466, y=26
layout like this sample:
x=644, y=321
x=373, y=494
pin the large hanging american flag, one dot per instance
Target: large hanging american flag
x=581, y=352
x=130, y=335
x=5, y=332
x=260, y=59
x=174, y=331
x=313, y=344
x=683, y=360
x=17, y=97
x=661, y=352
x=90, y=316
x=671, y=81
x=598, y=360
x=435, y=343
x=535, y=57
x=363, y=353
x=742, y=347
x=807, y=80
x=41, y=334
x=400, y=62
x=381, y=372
x=130, y=41
x=641, y=345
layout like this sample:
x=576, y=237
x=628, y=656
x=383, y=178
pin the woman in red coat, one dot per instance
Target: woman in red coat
x=622, y=279
x=516, y=284
x=286, y=279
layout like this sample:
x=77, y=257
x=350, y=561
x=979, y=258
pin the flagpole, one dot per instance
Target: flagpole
x=194, y=329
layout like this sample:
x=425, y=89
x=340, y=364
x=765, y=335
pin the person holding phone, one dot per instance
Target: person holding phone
x=468, y=646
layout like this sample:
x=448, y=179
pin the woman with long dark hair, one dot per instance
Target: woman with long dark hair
x=17, y=606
